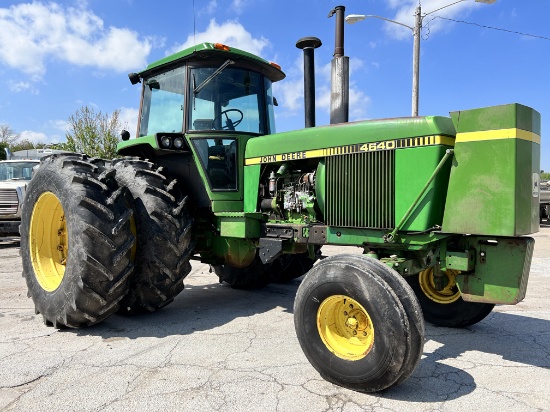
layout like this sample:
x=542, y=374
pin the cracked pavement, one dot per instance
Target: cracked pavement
x=221, y=349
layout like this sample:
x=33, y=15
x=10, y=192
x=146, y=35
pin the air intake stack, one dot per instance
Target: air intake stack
x=308, y=45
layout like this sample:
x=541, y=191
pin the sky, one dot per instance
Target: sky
x=57, y=56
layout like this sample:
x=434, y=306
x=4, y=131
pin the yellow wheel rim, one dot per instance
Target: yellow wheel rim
x=448, y=294
x=345, y=327
x=49, y=241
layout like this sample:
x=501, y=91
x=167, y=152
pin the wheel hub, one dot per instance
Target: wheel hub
x=48, y=241
x=442, y=290
x=345, y=327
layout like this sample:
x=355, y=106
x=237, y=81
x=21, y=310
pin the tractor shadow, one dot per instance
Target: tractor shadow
x=201, y=306
x=440, y=376
x=501, y=340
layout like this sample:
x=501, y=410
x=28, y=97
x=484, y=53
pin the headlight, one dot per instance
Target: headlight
x=171, y=141
x=166, y=142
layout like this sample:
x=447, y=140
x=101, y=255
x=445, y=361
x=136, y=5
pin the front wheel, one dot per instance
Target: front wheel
x=358, y=325
x=442, y=305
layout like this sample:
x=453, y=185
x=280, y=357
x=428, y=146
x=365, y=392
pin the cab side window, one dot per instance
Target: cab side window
x=219, y=160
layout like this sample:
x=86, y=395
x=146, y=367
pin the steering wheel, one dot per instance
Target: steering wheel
x=229, y=124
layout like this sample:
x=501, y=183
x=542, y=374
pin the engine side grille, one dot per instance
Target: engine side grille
x=8, y=202
x=360, y=190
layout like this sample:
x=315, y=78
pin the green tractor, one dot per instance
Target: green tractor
x=439, y=205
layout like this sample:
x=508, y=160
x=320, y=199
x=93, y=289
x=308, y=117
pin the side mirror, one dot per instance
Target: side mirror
x=134, y=78
x=125, y=135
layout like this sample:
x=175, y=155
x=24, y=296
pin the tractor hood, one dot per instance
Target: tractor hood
x=346, y=138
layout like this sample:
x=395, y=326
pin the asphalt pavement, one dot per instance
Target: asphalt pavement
x=220, y=349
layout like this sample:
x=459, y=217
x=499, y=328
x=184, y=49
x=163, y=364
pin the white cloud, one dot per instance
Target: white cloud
x=210, y=8
x=358, y=102
x=290, y=92
x=406, y=11
x=231, y=33
x=129, y=118
x=33, y=33
x=61, y=125
x=238, y=5
x=35, y=137
x=22, y=87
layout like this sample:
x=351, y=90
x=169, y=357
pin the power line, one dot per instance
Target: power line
x=493, y=28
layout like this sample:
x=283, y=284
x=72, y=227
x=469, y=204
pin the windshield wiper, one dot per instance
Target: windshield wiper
x=209, y=78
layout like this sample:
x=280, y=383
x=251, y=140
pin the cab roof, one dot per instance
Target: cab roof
x=206, y=51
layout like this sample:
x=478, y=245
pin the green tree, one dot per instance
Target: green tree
x=24, y=145
x=544, y=176
x=3, y=151
x=8, y=135
x=95, y=134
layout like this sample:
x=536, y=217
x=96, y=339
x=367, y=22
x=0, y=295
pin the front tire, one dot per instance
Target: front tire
x=445, y=307
x=355, y=327
x=163, y=230
x=75, y=241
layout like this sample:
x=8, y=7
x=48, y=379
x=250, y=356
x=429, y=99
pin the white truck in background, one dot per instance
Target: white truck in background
x=15, y=174
x=544, y=200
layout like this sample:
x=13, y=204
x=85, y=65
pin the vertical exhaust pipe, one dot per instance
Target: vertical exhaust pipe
x=308, y=45
x=339, y=32
x=339, y=96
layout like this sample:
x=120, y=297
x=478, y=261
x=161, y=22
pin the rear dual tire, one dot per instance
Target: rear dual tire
x=163, y=230
x=76, y=241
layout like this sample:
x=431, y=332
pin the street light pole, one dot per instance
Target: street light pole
x=417, y=30
x=416, y=60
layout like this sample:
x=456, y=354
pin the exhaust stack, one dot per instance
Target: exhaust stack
x=339, y=97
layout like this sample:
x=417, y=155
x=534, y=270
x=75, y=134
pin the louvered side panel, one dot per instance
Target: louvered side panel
x=360, y=190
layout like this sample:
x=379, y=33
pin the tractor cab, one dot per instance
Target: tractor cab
x=206, y=102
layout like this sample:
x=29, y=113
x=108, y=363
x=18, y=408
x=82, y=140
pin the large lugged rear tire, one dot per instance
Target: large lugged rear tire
x=289, y=267
x=353, y=319
x=446, y=307
x=163, y=235
x=76, y=241
x=255, y=275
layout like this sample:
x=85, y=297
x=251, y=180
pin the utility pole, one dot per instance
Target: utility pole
x=417, y=31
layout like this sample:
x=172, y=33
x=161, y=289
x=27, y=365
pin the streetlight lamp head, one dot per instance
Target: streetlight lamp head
x=354, y=18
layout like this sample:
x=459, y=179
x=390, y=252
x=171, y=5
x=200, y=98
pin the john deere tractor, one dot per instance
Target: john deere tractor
x=440, y=206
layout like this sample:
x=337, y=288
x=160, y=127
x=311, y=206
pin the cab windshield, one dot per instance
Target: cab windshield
x=163, y=100
x=220, y=98
x=231, y=99
x=16, y=170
